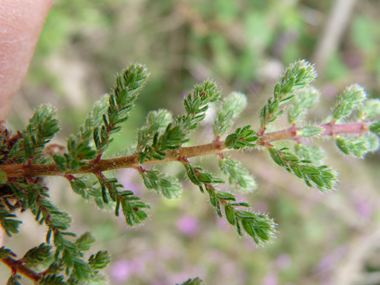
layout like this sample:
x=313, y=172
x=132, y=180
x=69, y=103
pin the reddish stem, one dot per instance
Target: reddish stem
x=181, y=154
x=141, y=169
x=70, y=177
x=292, y=133
x=18, y=267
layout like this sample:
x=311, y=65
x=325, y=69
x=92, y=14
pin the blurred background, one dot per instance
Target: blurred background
x=244, y=45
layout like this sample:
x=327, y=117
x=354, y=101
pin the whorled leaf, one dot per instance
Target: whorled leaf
x=353, y=146
x=239, y=176
x=162, y=184
x=305, y=99
x=348, y=101
x=296, y=77
x=241, y=138
x=322, y=176
x=231, y=108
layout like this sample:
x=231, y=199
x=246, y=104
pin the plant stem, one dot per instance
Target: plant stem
x=330, y=129
x=18, y=267
x=215, y=147
x=111, y=164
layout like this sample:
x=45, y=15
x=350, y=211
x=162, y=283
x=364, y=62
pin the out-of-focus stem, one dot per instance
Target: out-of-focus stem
x=333, y=32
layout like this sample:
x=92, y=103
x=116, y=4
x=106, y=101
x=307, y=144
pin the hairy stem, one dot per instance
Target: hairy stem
x=18, y=267
x=111, y=164
x=215, y=147
x=330, y=129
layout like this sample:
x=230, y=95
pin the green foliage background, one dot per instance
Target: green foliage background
x=244, y=46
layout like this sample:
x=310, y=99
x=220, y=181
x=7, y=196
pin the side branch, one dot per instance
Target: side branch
x=18, y=267
x=293, y=133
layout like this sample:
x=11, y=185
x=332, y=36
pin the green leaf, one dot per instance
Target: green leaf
x=261, y=229
x=242, y=137
x=226, y=196
x=9, y=225
x=348, y=101
x=5, y=252
x=245, y=214
x=356, y=146
x=60, y=161
x=276, y=156
x=68, y=258
x=320, y=175
x=342, y=145
x=81, y=269
x=99, y=261
x=312, y=153
x=156, y=123
x=191, y=174
x=204, y=177
x=231, y=108
x=40, y=130
x=302, y=72
x=297, y=76
x=306, y=99
x=288, y=85
x=375, y=128
x=14, y=280
x=240, y=204
x=372, y=141
x=120, y=103
x=52, y=280
x=166, y=185
x=104, y=191
x=196, y=105
x=195, y=281
x=309, y=170
x=310, y=131
x=3, y=177
x=369, y=110
x=37, y=254
x=85, y=241
x=212, y=194
x=239, y=176
x=229, y=211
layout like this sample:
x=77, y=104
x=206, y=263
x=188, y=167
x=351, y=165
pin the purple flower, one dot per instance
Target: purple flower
x=121, y=270
x=126, y=177
x=363, y=208
x=188, y=225
x=330, y=261
x=284, y=261
x=270, y=279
